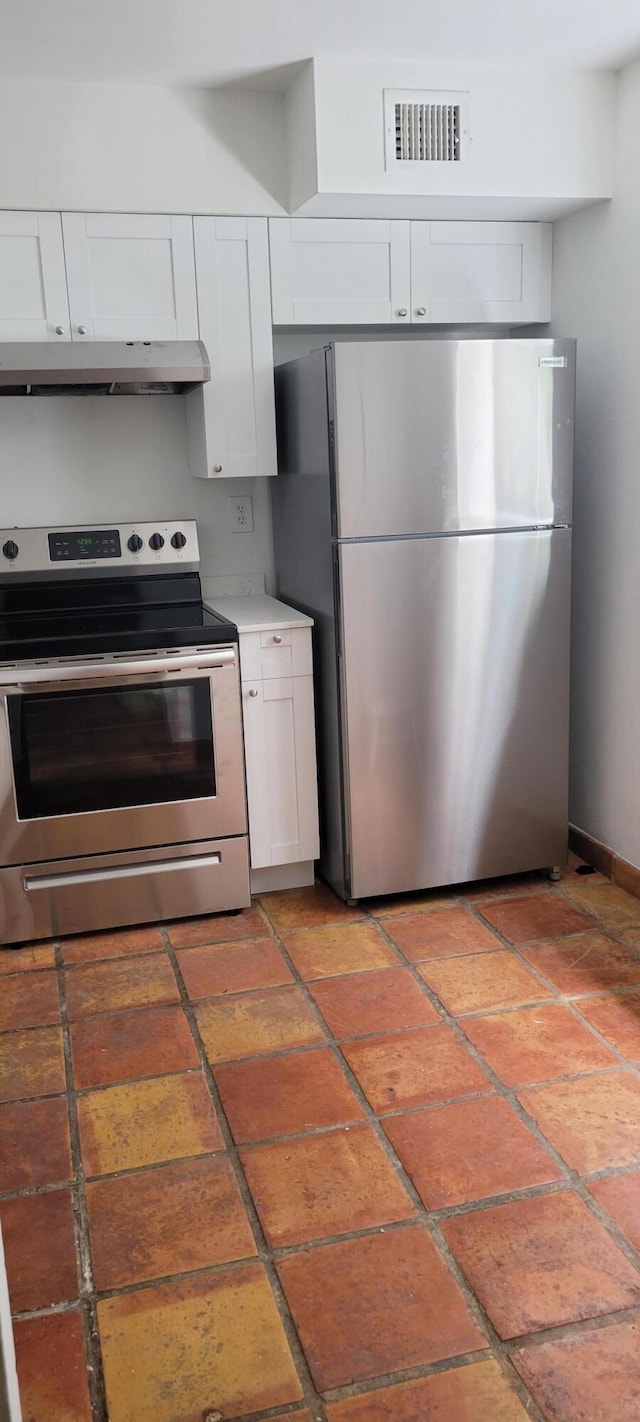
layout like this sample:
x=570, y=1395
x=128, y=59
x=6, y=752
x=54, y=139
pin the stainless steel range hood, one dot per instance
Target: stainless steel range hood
x=102, y=367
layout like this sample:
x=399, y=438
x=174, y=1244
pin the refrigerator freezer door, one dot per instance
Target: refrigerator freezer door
x=440, y=436
x=455, y=676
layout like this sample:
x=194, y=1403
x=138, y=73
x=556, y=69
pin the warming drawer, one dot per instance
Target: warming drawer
x=114, y=890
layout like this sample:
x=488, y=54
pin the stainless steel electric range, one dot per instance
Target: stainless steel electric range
x=122, y=796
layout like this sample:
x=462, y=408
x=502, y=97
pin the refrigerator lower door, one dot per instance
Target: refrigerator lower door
x=455, y=705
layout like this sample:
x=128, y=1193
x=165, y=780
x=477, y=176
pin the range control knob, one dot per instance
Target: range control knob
x=178, y=540
x=134, y=543
x=10, y=549
x=156, y=541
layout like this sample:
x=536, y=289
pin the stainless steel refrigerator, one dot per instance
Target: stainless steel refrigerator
x=422, y=515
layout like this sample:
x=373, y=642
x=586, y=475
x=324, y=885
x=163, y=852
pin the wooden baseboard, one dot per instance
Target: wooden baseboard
x=620, y=871
x=626, y=875
x=591, y=851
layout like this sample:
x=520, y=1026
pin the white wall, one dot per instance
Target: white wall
x=597, y=298
x=135, y=148
x=541, y=140
x=71, y=460
x=126, y=148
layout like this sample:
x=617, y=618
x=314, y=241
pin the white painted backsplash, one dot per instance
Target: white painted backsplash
x=72, y=459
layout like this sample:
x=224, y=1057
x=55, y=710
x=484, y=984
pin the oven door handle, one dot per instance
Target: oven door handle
x=18, y=680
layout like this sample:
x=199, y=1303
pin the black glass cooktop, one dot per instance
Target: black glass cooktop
x=111, y=615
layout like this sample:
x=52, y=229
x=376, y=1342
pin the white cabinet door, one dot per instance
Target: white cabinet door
x=130, y=278
x=339, y=272
x=280, y=755
x=33, y=283
x=232, y=426
x=480, y=271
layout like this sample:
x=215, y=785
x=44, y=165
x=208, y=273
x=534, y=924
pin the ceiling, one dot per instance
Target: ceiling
x=219, y=41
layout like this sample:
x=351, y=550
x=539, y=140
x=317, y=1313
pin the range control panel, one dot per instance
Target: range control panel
x=99, y=548
x=86, y=544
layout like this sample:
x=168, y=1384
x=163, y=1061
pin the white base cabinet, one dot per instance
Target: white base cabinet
x=282, y=876
x=279, y=737
x=280, y=760
x=335, y=272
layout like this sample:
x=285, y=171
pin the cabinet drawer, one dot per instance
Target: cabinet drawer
x=136, y=886
x=274, y=653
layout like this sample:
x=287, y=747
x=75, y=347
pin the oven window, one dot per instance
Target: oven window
x=76, y=751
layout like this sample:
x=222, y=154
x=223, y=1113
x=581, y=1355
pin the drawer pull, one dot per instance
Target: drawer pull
x=125, y=871
x=277, y=637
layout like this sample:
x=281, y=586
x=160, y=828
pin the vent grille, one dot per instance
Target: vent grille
x=425, y=126
x=427, y=133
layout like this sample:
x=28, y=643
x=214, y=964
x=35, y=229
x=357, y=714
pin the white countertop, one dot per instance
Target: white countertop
x=258, y=612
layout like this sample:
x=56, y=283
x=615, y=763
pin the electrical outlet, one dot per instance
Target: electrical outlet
x=241, y=512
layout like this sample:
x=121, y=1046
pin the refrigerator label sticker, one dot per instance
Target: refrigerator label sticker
x=553, y=362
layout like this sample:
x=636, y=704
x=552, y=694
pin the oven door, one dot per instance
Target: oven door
x=116, y=753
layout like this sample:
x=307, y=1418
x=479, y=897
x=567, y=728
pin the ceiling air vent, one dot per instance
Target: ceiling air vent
x=425, y=127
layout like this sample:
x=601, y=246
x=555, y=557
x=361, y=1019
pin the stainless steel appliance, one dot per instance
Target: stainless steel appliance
x=122, y=793
x=102, y=367
x=422, y=516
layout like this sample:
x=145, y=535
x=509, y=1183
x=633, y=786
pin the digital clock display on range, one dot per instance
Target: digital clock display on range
x=71, y=547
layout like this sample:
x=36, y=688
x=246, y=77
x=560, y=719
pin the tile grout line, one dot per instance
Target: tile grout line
x=571, y=1180
x=577, y=1180
x=423, y=1215
x=616, y=994
x=95, y=1372
x=311, y=1397
x=599, y=1324
x=394, y=1377
x=352, y=1122
x=572, y=1177
x=616, y=934
x=599, y=1321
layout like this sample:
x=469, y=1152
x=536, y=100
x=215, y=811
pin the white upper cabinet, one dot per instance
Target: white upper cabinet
x=338, y=272
x=33, y=283
x=130, y=278
x=326, y=272
x=480, y=271
x=231, y=420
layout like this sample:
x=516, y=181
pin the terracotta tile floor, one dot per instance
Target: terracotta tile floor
x=332, y=1165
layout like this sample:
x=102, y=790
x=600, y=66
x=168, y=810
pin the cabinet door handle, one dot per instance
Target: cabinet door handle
x=277, y=637
x=59, y=330
x=253, y=691
x=421, y=310
x=402, y=311
x=82, y=330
